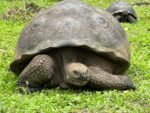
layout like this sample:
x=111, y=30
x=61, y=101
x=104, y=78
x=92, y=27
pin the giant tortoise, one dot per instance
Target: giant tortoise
x=72, y=45
x=122, y=11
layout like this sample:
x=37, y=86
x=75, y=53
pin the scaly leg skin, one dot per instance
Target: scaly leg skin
x=131, y=19
x=118, y=17
x=37, y=72
x=102, y=80
x=76, y=74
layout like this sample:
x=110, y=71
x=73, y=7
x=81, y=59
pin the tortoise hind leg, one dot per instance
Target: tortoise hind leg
x=37, y=72
x=100, y=79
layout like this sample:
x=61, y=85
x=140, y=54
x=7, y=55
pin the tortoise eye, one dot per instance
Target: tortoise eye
x=75, y=72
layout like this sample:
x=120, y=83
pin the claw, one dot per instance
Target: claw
x=128, y=83
x=24, y=87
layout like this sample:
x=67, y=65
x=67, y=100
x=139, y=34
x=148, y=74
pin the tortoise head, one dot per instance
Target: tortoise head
x=77, y=74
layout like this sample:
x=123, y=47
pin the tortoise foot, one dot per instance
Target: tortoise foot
x=27, y=89
x=128, y=82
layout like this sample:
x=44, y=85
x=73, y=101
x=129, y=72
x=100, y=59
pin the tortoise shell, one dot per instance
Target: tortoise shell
x=72, y=23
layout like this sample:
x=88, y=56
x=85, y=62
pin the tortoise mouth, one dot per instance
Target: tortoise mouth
x=78, y=82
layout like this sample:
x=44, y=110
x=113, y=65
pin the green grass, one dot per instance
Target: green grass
x=64, y=101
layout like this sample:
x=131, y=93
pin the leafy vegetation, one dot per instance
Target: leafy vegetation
x=64, y=101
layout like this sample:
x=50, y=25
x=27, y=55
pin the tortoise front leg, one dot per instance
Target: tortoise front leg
x=118, y=17
x=131, y=19
x=100, y=79
x=37, y=72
